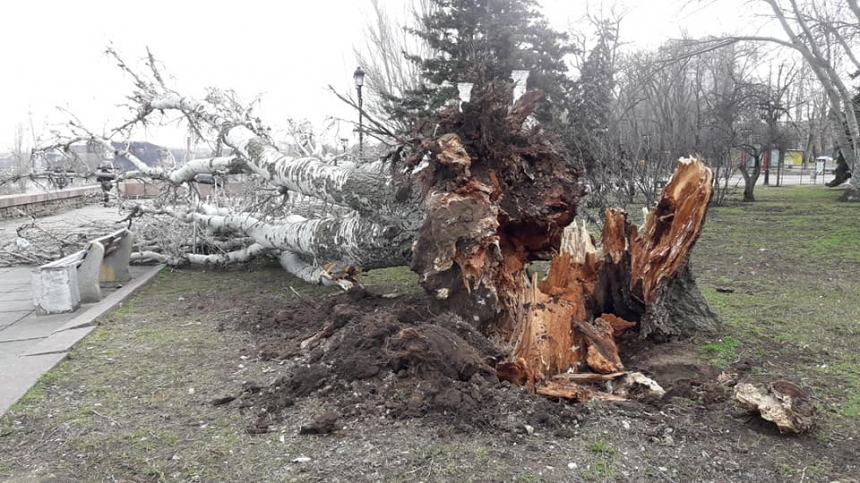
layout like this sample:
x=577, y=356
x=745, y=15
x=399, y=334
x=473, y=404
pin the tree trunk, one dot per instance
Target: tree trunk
x=852, y=191
x=750, y=179
x=749, y=195
x=637, y=280
x=841, y=174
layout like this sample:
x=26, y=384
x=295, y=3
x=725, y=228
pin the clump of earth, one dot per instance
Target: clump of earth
x=369, y=356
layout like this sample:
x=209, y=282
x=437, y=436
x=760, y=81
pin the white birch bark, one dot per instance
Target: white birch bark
x=367, y=192
x=293, y=263
x=237, y=256
x=182, y=174
x=351, y=240
x=187, y=172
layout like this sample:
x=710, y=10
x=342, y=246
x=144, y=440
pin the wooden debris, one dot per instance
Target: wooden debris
x=784, y=403
x=602, y=355
x=575, y=392
x=587, y=377
x=619, y=325
x=637, y=385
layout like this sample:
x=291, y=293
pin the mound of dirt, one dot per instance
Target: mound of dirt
x=369, y=356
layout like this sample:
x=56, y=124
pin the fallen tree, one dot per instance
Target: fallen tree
x=468, y=203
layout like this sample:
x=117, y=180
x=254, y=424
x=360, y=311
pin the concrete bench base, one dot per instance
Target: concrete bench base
x=62, y=285
x=55, y=290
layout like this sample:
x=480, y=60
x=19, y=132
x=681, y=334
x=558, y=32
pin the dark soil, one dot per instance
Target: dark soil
x=371, y=357
x=203, y=376
x=367, y=358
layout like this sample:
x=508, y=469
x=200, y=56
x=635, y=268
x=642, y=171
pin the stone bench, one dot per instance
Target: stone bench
x=62, y=285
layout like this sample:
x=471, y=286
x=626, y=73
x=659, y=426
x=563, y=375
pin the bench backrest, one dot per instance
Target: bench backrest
x=109, y=242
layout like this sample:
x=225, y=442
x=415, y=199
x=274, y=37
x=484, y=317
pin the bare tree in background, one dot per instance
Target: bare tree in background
x=727, y=94
x=20, y=155
x=825, y=34
x=383, y=58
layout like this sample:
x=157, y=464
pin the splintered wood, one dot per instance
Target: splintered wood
x=568, y=323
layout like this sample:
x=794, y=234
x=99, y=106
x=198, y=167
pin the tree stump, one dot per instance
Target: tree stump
x=636, y=280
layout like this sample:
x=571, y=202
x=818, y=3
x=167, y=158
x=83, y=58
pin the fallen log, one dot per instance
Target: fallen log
x=633, y=280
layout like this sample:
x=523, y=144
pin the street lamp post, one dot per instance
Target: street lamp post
x=358, y=76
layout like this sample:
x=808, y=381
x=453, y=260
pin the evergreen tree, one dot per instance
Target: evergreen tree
x=483, y=41
x=591, y=102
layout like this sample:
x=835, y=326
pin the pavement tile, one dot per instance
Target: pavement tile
x=58, y=342
x=32, y=328
x=17, y=347
x=16, y=305
x=9, y=318
x=17, y=293
x=16, y=277
x=18, y=374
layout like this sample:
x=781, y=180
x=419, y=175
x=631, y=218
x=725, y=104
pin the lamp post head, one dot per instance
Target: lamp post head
x=358, y=76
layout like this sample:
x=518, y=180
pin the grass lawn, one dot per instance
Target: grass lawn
x=793, y=261
x=133, y=401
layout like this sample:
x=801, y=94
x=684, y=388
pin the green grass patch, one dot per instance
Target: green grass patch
x=789, y=297
x=395, y=279
x=600, y=447
x=723, y=351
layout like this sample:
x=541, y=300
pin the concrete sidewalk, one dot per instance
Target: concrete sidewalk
x=30, y=345
x=66, y=222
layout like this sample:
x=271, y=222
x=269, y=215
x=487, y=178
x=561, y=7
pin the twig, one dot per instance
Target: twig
x=112, y=420
x=313, y=303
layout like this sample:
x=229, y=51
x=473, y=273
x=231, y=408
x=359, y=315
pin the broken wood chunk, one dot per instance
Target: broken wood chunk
x=784, y=403
x=515, y=372
x=587, y=377
x=619, y=325
x=634, y=280
x=635, y=385
x=574, y=392
x=602, y=353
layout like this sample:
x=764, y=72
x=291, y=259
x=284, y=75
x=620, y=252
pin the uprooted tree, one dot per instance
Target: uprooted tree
x=468, y=209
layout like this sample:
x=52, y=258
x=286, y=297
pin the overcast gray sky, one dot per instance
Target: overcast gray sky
x=51, y=51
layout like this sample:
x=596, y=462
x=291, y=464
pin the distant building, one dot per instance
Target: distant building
x=152, y=155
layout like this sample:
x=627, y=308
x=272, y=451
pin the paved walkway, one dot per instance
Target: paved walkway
x=66, y=222
x=30, y=345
